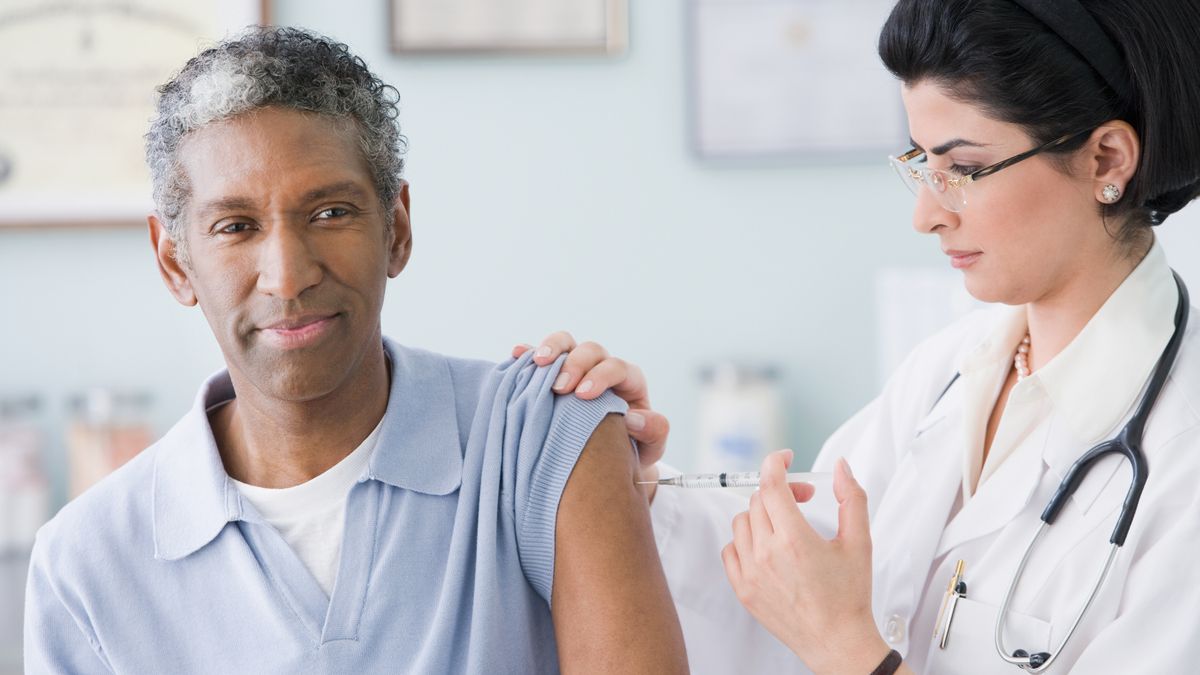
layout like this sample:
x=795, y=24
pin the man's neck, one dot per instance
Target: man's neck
x=277, y=444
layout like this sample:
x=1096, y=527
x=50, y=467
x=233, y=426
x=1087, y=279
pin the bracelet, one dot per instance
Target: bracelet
x=891, y=663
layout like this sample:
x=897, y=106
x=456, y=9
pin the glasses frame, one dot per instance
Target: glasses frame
x=920, y=175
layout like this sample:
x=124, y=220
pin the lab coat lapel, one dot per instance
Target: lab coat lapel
x=1002, y=496
x=917, y=503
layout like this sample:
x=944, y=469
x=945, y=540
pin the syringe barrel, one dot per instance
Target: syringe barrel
x=720, y=480
x=742, y=479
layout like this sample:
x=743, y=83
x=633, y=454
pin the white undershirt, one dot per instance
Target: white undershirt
x=311, y=516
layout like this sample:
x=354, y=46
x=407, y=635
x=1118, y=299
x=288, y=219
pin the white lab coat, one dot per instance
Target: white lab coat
x=906, y=452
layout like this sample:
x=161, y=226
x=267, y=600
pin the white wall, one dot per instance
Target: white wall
x=547, y=193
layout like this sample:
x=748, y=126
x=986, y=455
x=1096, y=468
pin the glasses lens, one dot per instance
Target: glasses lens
x=944, y=187
x=910, y=178
x=937, y=181
x=949, y=195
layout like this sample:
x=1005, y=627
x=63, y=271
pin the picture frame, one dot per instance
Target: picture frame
x=532, y=27
x=773, y=81
x=78, y=84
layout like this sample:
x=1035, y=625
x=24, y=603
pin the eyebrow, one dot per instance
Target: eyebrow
x=949, y=145
x=347, y=188
x=226, y=204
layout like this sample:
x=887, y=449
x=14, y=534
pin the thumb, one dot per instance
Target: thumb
x=650, y=429
x=854, y=521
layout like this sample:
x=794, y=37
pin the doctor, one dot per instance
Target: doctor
x=1048, y=137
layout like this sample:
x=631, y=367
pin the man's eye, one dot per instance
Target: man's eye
x=333, y=212
x=234, y=228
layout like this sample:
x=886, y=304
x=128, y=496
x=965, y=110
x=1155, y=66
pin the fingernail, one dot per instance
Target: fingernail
x=585, y=387
x=635, y=421
x=543, y=351
x=561, y=380
x=846, y=466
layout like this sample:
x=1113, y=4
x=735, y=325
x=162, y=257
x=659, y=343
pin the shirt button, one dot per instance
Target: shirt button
x=893, y=630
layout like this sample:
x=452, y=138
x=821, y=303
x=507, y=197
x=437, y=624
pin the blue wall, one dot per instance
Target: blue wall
x=547, y=193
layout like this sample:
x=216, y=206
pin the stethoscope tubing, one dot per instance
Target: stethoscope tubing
x=1127, y=443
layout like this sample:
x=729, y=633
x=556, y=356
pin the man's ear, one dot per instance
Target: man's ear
x=173, y=273
x=400, y=246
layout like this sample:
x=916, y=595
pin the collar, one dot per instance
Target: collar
x=419, y=449
x=1097, y=380
x=419, y=446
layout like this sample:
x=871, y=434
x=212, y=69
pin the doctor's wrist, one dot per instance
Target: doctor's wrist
x=890, y=664
x=860, y=654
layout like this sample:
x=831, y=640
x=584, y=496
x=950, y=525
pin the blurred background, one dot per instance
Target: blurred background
x=699, y=185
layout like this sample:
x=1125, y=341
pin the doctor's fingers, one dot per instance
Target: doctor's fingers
x=549, y=348
x=760, y=522
x=778, y=498
x=854, y=518
x=802, y=492
x=650, y=430
x=743, y=541
x=733, y=566
x=590, y=371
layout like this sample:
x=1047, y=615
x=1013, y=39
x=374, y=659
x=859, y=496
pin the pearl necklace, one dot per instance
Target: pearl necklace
x=1021, y=360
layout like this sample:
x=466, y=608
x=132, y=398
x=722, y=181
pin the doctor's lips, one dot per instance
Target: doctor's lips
x=299, y=331
x=962, y=259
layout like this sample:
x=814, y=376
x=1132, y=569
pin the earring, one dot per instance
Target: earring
x=1111, y=193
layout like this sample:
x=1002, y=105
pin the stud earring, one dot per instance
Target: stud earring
x=1111, y=193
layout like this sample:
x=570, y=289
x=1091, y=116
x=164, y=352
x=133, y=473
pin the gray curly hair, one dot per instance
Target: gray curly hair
x=272, y=66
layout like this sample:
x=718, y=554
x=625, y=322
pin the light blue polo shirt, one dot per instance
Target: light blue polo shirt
x=447, y=559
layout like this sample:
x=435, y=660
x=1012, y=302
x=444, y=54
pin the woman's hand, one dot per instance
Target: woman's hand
x=588, y=372
x=812, y=593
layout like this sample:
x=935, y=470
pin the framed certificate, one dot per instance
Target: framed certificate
x=791, y=79
x=77, y=91
x=530, y=26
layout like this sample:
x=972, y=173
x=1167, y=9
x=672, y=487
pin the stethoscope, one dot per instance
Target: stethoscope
x=1128, y=443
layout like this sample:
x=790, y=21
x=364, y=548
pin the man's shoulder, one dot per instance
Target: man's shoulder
x=113, y=517
x=465, y=373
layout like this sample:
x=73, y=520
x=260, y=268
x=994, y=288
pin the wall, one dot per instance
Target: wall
x=547, y=193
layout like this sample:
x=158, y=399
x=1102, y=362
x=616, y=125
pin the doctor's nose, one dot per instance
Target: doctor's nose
x=929, y=215
x=287, y=265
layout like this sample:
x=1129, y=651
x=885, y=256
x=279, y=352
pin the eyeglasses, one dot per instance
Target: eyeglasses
x=948, y=186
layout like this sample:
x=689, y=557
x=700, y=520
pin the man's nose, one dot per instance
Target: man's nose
x=288, y=265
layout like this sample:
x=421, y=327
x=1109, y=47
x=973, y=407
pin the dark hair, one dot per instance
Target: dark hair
x=996, y=55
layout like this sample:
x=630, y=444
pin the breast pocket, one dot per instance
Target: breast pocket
x=971, y=647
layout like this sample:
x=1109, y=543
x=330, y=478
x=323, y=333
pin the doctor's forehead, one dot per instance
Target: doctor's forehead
x=939, y=122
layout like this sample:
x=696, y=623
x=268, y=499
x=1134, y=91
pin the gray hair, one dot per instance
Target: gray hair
x=272, y=66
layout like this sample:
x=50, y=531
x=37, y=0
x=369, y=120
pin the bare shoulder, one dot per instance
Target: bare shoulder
x=611, y=607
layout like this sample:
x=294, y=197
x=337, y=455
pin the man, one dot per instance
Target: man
x=336, y=502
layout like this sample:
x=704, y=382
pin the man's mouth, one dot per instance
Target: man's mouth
x=298, y=331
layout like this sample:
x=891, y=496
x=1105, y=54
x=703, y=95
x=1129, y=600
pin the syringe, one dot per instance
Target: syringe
x=731, y=480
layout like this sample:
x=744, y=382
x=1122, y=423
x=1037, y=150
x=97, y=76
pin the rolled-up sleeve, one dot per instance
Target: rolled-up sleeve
x=543, y=436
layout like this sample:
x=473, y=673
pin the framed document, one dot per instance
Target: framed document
x=791, y=79
x=77, y=91
x=531, y=26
